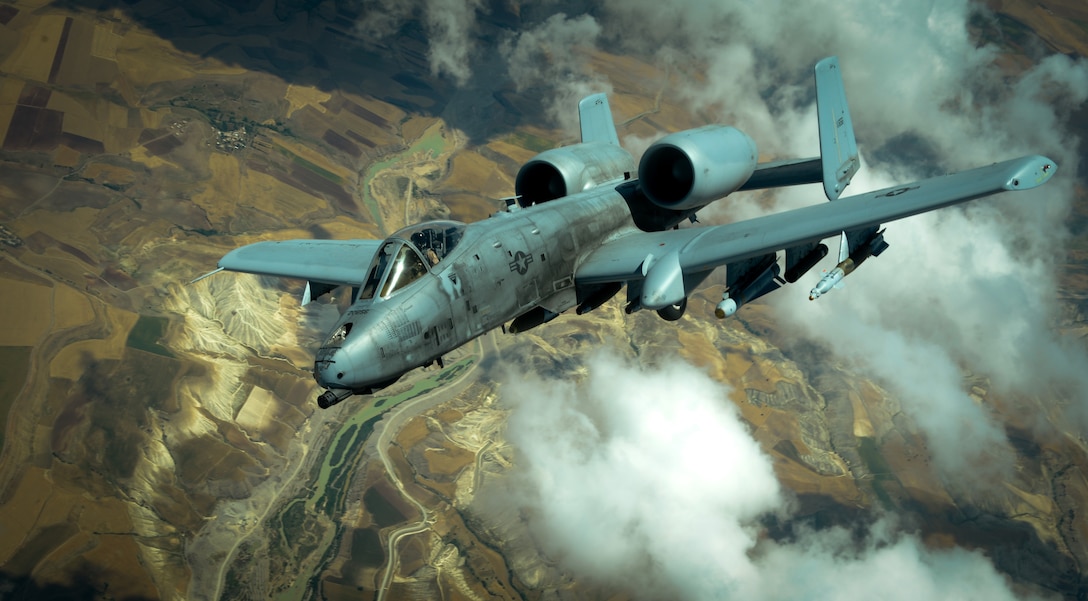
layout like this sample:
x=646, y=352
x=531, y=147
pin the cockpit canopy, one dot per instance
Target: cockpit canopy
x=408, y=254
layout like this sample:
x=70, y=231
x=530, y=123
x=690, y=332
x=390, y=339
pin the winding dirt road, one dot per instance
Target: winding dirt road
x=390, y=427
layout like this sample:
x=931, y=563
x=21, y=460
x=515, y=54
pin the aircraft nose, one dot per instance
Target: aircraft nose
x=354, y=366
x=331, y=369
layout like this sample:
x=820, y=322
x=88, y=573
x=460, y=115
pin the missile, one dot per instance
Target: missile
x=727, y=308
x=832, y=279
x=740, y=295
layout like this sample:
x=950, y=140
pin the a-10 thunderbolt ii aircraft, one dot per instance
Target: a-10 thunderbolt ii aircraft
x=581, y=227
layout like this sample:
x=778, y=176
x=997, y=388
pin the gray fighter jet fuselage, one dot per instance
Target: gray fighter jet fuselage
x=582, y=227
x=505, y=268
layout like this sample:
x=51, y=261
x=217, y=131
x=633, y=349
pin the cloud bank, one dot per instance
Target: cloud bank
x=971, y=290
x=451, y=27
x=962, y=290
x=648, y=480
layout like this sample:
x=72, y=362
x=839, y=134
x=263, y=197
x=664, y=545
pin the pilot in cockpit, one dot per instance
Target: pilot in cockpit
x=424, y=241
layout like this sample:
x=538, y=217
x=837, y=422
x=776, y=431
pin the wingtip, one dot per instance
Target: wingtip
x=1032, y=173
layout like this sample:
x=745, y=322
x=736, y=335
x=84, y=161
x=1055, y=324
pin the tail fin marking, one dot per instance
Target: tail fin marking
x=838, y=148
x=596, y=120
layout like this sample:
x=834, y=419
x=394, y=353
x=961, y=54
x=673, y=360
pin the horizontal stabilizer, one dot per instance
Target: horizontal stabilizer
x=838, y=148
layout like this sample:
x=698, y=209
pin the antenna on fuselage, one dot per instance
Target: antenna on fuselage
x=512, y=203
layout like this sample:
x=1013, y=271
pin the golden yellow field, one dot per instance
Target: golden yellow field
x=109, y=175
x=301, y=96
x=148, y=59
x=258, y=411
x=222, y=191
x=517, y=154
x=414, y=127
x=1063, y=23
x=34, y=56
x=64, y=530
x=70, y=308
x=313, y=156
x=66, y=157
x=30, y=495
x=105, y=42
x=472, y=173
x=80, y=116
x=345, y=228
x=34, y=306
x=71, y=360
x=268, y=194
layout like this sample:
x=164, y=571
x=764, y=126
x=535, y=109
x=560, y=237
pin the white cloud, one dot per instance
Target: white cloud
x=554, y=55
x=960, y=290
x=647, y=479
x=969, y=288
x=450, y=25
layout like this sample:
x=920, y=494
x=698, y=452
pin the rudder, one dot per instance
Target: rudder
x=838, y=148
x=595, y=117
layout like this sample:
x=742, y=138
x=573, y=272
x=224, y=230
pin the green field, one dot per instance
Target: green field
x=14, y=365
x=333, y=478
x=879, y=469
x=301, y=162
x=530, y=142
x=147, y=333
x=434, y=145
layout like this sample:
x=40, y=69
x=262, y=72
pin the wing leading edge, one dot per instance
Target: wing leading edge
x=324, y=264
x=626, y=257
x=338, y=262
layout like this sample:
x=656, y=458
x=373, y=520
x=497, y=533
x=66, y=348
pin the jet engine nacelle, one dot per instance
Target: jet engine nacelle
x=568, y=170
x=693, y=168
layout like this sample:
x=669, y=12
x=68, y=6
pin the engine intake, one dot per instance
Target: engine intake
x=571, y=169
x=691, y=169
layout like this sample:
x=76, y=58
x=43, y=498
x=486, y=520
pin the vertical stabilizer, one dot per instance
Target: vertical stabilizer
x=596, y=119
x=838, y=148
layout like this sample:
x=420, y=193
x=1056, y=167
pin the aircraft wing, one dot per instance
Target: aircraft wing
x=664, y=260
x=324, y=264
